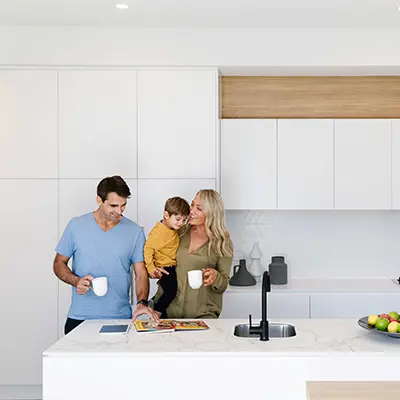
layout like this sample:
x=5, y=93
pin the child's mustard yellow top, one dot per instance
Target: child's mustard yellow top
x=160, y=247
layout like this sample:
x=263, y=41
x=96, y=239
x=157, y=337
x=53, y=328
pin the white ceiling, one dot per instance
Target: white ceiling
x=204, y=13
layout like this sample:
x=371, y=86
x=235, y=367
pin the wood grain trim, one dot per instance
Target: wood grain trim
x=310, y=97
x=352, y=390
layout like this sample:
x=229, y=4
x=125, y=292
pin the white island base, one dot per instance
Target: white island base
x=214, y=363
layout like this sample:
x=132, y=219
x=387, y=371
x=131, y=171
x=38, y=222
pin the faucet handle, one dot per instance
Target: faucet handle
x=250, y=321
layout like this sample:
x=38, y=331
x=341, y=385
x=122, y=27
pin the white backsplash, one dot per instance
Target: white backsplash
x=322, y=244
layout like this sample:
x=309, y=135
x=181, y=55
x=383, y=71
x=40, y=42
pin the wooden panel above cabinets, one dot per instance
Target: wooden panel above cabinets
x=310, y=97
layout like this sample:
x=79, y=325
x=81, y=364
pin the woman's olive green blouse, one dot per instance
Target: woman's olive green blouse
x=205, y=302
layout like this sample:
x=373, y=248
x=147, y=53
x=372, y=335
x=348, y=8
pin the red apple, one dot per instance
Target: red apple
x=385, y=316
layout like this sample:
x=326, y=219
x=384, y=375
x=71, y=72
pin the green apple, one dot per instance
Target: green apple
x=382, y=324
x=394, y=315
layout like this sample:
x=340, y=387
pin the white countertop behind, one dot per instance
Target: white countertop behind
x=327, y=285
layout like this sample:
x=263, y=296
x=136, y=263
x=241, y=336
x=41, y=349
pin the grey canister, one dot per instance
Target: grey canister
x=278, y=271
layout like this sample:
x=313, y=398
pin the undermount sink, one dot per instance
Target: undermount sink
x=275, y=331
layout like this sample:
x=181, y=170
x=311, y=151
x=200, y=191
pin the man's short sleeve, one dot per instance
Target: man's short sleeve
x=137, y=255
x=66, y=246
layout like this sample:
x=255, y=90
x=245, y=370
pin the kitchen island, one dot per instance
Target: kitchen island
x=214, y=363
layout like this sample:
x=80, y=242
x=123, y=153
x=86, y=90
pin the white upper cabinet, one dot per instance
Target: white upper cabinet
x=248, y=164
x=305, y=164
x=363, y=164
x=396, y=164
x=98, y=124
x=28, y=124
x=177, y=125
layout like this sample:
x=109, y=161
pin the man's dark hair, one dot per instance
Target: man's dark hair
x=113, y=184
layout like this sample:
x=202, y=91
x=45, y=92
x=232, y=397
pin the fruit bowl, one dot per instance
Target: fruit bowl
x=363, y=322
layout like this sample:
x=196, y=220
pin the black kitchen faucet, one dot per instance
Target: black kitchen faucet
x=262, y=329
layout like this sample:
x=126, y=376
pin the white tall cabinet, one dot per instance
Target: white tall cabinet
x=28, y=124
x=178, y=131
x=98, y=118
x=363, y=164
x=61, y=132
x=177, y=124
x=305, y=164
x=97, y=136
x=28, y=198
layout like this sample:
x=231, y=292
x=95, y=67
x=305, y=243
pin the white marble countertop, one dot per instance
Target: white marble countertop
x=315, y=338
x=327, y=285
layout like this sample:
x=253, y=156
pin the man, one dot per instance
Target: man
x=104, y=243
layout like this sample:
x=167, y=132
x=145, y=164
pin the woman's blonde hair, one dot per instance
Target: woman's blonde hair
x=213, y=207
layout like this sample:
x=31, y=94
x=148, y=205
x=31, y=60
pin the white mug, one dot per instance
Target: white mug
x=195, y=278
x=99, y=286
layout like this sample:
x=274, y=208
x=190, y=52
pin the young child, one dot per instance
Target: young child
x=160, y=250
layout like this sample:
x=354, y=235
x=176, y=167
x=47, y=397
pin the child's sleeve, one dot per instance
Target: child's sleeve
x=154, y=242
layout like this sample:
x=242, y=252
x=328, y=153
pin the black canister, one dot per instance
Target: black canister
x=241, y=276
x=278, y=271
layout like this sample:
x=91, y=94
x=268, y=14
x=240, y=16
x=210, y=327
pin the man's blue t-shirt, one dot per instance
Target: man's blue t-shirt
x=98, y=253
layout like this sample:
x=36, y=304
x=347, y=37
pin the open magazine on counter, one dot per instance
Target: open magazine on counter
x=169, y=325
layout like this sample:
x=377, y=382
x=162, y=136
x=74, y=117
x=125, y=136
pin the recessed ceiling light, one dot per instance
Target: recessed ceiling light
x=122, y=6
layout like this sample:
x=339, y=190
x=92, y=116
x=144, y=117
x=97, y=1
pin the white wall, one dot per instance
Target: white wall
x=322, y=244
x=196, y=47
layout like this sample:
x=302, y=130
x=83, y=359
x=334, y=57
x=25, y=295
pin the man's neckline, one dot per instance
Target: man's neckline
x=108, y=230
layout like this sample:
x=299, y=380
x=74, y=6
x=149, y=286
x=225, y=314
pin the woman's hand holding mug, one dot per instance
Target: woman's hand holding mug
x=210, y=276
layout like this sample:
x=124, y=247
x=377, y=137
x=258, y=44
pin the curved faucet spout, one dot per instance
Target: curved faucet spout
x=263, y=328
x=266, y=287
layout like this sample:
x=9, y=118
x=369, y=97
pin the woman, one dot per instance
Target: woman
x=205, y=245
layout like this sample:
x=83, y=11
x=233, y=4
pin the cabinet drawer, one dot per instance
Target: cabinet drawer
x=280, y=305
x=352, y=305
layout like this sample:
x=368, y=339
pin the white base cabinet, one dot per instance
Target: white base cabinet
x=352, y=305
x=241, y=304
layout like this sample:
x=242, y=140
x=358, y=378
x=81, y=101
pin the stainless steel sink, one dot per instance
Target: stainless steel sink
x=275, y=331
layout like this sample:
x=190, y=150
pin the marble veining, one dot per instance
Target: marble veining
x=333, y=337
